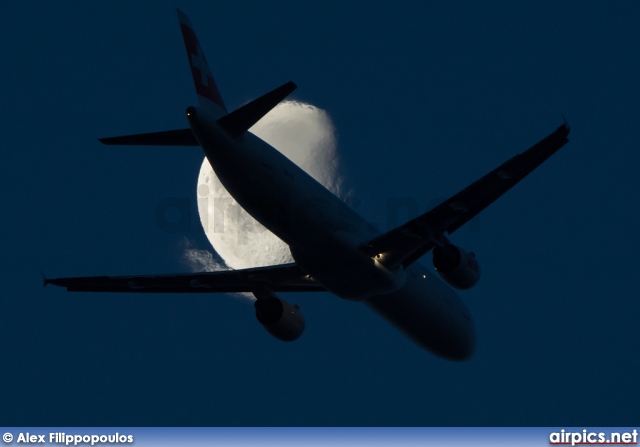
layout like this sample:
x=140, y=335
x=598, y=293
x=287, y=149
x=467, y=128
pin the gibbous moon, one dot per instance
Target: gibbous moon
x=305, y=135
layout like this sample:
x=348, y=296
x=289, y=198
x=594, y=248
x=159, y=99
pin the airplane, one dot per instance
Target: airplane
x=334, y=249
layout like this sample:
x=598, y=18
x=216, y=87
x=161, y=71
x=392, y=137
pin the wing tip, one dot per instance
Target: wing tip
x=565, y=124
x=182, y=17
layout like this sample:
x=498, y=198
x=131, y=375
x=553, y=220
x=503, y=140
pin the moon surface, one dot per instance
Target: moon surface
x=303, y=133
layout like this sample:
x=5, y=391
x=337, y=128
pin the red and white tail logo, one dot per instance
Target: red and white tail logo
x=202, y=77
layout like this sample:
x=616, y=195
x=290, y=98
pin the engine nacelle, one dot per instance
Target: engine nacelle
x=281, y=319
x=457, y=267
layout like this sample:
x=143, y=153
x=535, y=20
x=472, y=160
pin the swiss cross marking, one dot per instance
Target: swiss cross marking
x=200, y=63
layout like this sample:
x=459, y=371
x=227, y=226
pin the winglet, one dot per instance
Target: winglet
x=45, y=281
x=566, y=123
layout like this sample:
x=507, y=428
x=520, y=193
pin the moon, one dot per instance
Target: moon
x=303, y=133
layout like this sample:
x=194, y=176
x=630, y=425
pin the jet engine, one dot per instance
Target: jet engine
x=457, y=267
x=281, y=319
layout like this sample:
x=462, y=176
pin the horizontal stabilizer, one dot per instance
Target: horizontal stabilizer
x=181, y=137
x=240, y=120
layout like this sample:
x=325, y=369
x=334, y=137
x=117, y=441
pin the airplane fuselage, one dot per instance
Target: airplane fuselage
x=324, y=236
x=334, y=248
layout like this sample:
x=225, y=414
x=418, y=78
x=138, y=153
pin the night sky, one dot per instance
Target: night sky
x=426, y=97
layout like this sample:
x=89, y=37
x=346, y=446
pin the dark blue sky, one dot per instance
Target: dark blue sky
x=426, y=98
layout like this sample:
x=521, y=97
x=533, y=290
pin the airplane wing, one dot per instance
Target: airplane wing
x=407, y=243
x=278, y=278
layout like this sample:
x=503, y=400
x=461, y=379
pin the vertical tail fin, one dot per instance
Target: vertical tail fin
x=206, y=88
